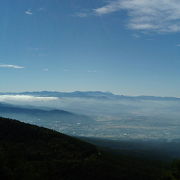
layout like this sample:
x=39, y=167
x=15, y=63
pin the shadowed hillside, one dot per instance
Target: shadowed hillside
x=31, y=152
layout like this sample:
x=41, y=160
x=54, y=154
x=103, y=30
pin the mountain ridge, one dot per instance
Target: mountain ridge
x=91, y=94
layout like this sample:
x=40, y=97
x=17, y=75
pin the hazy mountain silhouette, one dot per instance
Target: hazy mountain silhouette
x=47, y=118
x=93, y=94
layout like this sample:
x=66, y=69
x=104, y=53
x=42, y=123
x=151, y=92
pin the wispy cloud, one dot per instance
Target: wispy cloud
x=46, y=69
x=146, y=15
x=178, y=45
x=81, y=14
x=11, y=66
x=29, y=12
x=92, y=71
x=41, y=9
x=136, y=36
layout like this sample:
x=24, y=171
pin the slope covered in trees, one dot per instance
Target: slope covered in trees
x=31, y=152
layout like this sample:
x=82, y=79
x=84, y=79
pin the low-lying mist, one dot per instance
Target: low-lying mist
x=113, y=118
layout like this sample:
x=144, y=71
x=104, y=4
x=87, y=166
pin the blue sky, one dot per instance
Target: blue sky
x=129, y=47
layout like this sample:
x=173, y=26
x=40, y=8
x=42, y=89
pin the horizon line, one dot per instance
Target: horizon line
x=38, y=91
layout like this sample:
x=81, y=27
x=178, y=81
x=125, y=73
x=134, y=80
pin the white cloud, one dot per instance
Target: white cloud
x=109, y=8
x=29, y=12
x=11, y=66
x=178, y=45
x=147, y=15
x=24, y=98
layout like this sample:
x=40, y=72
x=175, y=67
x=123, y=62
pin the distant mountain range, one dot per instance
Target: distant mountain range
x=92, y=94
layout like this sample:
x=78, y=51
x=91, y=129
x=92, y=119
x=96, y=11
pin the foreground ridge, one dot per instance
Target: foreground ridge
x=32, y=152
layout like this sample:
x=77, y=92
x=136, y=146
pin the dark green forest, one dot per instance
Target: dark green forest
x=32, y=153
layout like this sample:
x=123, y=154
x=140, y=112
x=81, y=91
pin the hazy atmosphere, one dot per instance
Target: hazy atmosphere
x=107, y=115
x=90, y=89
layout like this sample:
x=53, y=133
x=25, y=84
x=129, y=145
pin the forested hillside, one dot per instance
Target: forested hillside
x=31, y=152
